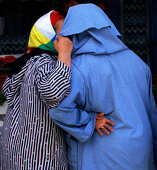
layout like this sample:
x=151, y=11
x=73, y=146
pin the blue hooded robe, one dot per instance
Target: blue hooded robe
x=106, y=77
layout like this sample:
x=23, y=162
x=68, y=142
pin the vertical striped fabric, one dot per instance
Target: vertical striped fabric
x=30, y=139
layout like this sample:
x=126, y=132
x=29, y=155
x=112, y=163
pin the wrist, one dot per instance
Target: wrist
x=64, y=54
x=65, y=58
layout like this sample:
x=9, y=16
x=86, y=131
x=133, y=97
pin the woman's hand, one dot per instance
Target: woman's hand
x=103, y=124
x=64, y=47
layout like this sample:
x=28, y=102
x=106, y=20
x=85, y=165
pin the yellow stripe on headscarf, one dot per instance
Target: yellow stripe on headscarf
x=36, y=38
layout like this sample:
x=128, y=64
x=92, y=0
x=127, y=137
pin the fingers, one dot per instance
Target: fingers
x=55, y=42
x=108, y=127
x=99, y=131
x=63, y=45
x=104, y=125
x=105, y=131
x=110, y=122
x=100, y=116
x=59, y=36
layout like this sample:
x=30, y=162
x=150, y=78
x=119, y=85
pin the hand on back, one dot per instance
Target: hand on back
x=103, y=124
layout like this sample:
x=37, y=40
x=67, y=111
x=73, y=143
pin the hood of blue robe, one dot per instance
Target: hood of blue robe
x=91, y=31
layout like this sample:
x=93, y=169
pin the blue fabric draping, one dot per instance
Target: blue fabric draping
x=106, y=77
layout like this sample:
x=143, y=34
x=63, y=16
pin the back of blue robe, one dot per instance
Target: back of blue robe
x=106, y=77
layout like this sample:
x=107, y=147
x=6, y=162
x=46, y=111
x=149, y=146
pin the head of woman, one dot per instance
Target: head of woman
x=41, y=39
x=44, y=31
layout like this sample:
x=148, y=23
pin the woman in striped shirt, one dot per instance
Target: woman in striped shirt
x=30, y=139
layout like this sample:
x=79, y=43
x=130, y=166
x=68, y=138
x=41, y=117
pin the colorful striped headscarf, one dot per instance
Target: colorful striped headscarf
x=42, y=33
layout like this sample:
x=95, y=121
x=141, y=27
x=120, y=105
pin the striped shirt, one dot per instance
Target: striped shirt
x=30, y=139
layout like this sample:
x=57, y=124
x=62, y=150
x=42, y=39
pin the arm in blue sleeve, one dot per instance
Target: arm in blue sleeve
x=70, y=115
x=153, y=115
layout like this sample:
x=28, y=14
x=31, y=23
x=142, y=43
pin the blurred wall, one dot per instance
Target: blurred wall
x=154, y=35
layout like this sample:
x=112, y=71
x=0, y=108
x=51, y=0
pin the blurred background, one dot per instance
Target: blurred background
x=136, y=20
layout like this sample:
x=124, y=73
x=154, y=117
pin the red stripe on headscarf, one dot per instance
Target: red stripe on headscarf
x=54, y=17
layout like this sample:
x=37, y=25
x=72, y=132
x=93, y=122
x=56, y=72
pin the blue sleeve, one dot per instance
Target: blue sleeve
x=71, y=116
x=153, y=115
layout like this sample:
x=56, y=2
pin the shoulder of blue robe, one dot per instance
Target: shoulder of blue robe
x=70, y=115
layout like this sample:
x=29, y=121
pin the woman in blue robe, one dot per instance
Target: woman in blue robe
x=106, y=77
